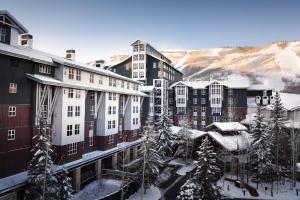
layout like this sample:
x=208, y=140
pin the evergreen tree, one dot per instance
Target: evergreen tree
x=65, y=189
x=207, y=172
x=42, y=182
x=164, y=137
x=184, y=141
x=188, y=191
x=150, y=160
x=280, y=139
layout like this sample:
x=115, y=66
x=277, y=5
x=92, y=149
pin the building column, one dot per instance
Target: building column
x=127, y=155
x=114, y=161
x=77, y=179
x=134, y=154
x=98, y=168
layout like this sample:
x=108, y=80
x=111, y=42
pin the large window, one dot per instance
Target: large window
x=45, y=69
x=11, y=135
x=78, y=75
x=12, y=88
x=77, y=129
x=72, y=148
x=203, y=101
x=70, y=93
x=70, y=111
x=91, y=78
x=69, y=130
x=71, y=73
x=12, y=111
x=77, y=111
x=2, y=34
x=195, y=100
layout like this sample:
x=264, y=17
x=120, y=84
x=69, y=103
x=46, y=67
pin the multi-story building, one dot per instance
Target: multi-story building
x=205, y=102
x=90, y=110
x=149, y=66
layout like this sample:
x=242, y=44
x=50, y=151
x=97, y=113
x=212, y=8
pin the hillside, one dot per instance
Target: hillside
x=277, y=65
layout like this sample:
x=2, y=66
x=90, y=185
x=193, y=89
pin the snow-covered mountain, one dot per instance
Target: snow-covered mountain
x=276, y=65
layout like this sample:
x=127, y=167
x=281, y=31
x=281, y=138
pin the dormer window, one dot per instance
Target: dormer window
x=45, y=69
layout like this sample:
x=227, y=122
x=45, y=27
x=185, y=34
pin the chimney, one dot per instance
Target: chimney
x=99, y=63
x=70, y=54
x=27, y=40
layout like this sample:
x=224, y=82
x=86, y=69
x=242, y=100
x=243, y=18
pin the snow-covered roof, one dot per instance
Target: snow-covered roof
x=290, y=101
x=112, y=64
x=232, y=143
x=195, y=133
x=17, y=24
x=50, y=59
x=147, y=88
x=52, y=81
x=228, y=126
x=259, y=87
x=292, y=124
x=230, y=83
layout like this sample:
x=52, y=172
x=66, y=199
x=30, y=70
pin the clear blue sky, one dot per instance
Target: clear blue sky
x=102, y=28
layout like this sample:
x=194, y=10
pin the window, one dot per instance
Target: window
x=135, y=66
x=195, y=92
x=112, y=124
x=216, y=119
x=195, y=100
x=134, y=75
x=203, y=109
x=92, y=109
x=72, y=148
x=100, y=80
x=142, y=47
x=78, y=75
x=195, y=110
x=77, y=129
x=91, y=141
x=135, y=57
x=45, y=69
x=141, y=74
x=142, y=56
x=69, y=130
x=92, y=96
x=70, y=111
x=203, y=100
x=216, y=100
x=12, y=111
x=133, y=121
x=215, y=110
x=70, y=93
x=141, y=65
x=122, y=84
x=154, y=65
x=91, y=78
x=78, y=94
x=135, y=48
x=71, y=73
x=11, y=134
x=44, y=111
x=2, y=34
x=110, y=139
x=109, y=110
x=181, y=110
x=92, y=125
x=77, y=111
x=109, y=125
x=128, y=85
x=203, y=92
x=12, y=88
x=112, y=82
x=230, y=91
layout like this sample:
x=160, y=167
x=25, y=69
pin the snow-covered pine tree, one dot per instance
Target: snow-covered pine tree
x=207, y=172
x=150, y=159
x=184, y=141
x=189, y=191
x=65, y=189
x=42, y=181
x=280, y=139
x=164, y=137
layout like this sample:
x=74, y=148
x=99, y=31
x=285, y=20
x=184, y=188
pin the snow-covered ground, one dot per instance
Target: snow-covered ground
x=153, y=193
x=284, y=192
x=97, y=189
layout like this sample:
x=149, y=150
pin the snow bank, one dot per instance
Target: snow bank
x=97, y=189
x=183, y=170
x=153, y=193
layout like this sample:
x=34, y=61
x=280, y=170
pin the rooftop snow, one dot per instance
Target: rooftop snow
x=46, y=58
x=52, y=81
x=290, y=101
x=228, y=126
x=148, y=88
x=195, y=133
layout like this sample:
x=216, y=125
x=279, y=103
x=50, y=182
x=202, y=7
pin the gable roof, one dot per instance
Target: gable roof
x=16, y=24
x=228, y=126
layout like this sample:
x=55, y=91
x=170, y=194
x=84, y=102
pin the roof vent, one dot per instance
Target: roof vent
x=27, y=40
x=70, y=54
